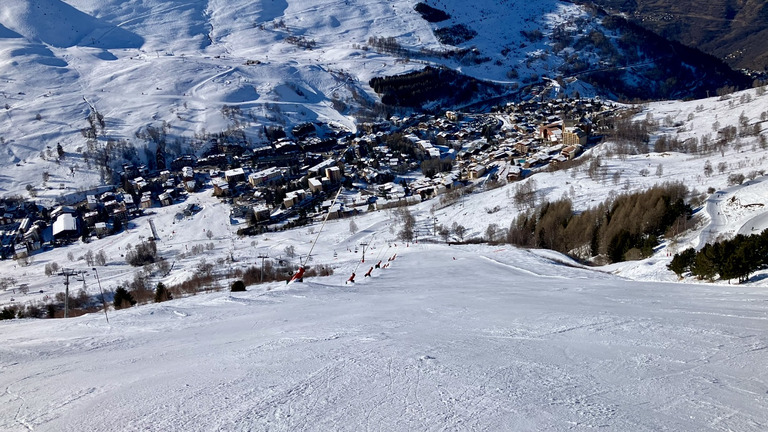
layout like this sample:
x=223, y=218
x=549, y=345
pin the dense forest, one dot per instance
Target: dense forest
x=437, y=85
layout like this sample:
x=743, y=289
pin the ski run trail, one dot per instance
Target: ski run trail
x=446, y=338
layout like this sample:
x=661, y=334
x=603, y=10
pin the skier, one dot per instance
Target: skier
x=351, y=279
x=368, y=274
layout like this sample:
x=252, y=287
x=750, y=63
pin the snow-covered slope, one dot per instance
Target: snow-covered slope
x=445, y=338
x=176, y=64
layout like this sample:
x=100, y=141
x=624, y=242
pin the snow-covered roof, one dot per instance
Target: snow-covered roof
x=66, y=222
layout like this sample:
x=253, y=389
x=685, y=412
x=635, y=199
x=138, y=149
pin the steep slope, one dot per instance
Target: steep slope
x=732, y=30
x=175, y=65
x=56, y=23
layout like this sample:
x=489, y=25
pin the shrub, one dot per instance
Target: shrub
x=143, y=253
x=123, y=299
x=161, y=293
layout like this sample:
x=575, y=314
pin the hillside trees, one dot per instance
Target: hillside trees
x=161, y=293
x=627, y=227
x=143, y=253
x=736, y=258
x=123, y=299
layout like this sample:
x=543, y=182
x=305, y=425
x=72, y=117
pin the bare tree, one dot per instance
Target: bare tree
x=89, y=260
x=101, y=258
x=51, y=268
x=409, y=223
x=459, y=230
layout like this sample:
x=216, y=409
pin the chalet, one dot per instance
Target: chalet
x=214, y=160
x=59, y=211
x=100, y=229
x=190, y=185
x=33, y=238
x=90, y=218
x=452, y=116
x=20, y=250
x=286, y=146
x=139, y=184
x=183, y=161
x=25, y=224
x=220, y=187
x=187, y=173
x=165, y=199
x=106, y=196
x=571, y=151
x=476, y=171
x=191, y=209
x=65, y=227
x=112, y=204
x=120, y=213
x=514, y=173
x=146, y=201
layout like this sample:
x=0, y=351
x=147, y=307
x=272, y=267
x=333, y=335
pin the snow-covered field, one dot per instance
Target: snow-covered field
x=446, y=338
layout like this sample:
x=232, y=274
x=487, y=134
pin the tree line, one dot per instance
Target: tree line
x=623, y=228
x=736, y=258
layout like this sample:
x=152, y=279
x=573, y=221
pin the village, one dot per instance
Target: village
x=293, y=181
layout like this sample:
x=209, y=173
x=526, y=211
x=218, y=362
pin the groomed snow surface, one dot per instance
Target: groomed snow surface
x=446, y=338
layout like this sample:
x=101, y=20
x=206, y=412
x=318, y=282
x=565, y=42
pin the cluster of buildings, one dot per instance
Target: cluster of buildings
x=27, y=227
x=507, y=144
x=295, y=179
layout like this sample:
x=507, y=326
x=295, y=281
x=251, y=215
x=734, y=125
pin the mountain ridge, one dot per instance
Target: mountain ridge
x=734, y=31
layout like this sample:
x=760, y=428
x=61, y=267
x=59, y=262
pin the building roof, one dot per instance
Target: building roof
x=234, y=172
x=64, y=223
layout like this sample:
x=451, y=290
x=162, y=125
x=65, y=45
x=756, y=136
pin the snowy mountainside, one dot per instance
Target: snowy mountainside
x=176, y=64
